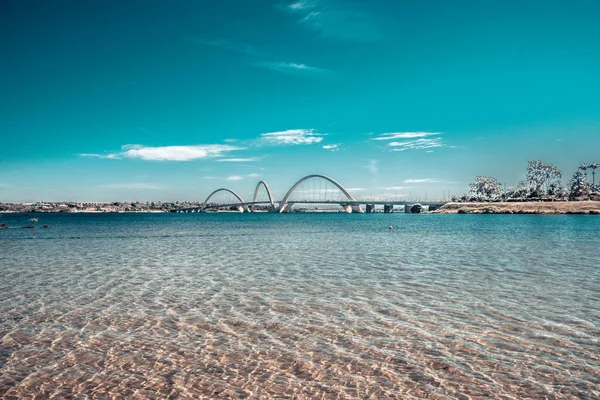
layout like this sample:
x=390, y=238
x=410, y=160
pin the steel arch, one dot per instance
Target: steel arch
x=336, y=183
x=268, y=193
x=226, y=190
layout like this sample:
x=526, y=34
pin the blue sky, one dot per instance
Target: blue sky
x=149, y=100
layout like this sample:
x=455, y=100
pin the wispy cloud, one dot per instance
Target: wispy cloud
x=428, y=180
x=93, y=155
x=232, y=177
x=405, y=135
x=414, y=141
x=293, y=68
x=418, y=144
x=263, y=57
x=169, y=153
x=331, y=147
x=372, y=167
x=337, y=19
x=293, y=136
x=394, y=188
x=302, y=5
x=134, y=185
x=240, y=159
x=356, y=189
x=425, y=180
x=227, y=44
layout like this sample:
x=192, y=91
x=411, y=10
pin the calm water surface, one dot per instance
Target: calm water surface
x=300, y=306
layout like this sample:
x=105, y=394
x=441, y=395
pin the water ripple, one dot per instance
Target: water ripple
x=301, y=306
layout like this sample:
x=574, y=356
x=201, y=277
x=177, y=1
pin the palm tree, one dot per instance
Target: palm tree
x=593, y=167
x=584, y=167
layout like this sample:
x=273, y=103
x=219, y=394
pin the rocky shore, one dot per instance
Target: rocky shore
x=554, y=207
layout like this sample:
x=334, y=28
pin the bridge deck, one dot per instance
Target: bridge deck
x=351, y=203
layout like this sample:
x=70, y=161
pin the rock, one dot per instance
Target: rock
x=417, y=209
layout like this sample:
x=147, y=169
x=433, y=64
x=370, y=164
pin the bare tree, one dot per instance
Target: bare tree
x=541, y=177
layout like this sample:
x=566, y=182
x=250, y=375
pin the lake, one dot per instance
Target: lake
x=303, y=305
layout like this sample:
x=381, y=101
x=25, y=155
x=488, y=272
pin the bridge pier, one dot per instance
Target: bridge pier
x=388, y=208
x=285, y=207
x=357, y=209
x=370, y=208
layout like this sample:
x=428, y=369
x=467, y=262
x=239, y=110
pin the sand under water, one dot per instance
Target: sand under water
x=301, y=306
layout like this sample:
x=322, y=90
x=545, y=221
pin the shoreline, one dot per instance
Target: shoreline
x=82, y=212
x=534, y=207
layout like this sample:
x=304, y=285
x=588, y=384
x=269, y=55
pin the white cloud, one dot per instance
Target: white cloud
x=331, y=147
x=293, y=136
x=292, y=68
x=234, y=178
x=248, y=159
x=253, y=175
x=134, y=185
x=418, y=144
x=372, y=166
x=177, y=153
x=171, y=153
x=356, y=189
x=405, y=135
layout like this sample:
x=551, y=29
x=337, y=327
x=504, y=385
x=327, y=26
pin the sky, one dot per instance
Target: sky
x=155, y=100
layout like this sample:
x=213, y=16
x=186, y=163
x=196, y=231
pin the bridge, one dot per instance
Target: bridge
x=310, y=190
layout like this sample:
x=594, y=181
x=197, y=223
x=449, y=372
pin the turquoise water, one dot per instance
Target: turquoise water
x=307, y=305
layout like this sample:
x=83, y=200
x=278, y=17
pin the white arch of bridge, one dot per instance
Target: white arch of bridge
x=284, y=202
x=223, y=190
x=271, y=201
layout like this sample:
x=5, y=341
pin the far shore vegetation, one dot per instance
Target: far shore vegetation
x=543, y=182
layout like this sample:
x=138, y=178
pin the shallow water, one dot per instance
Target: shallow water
x=300, y=305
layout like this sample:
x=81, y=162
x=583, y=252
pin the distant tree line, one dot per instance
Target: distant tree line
x=542, y=183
